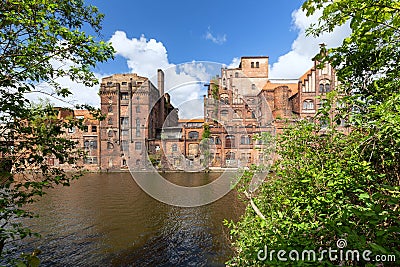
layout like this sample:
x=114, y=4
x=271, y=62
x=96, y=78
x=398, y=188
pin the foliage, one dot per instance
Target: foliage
x=28, y=260
x=367, y=66
x=321, y=191
x=214, y=88
x=155, y=160
x=206, y=131
x=40, y=41
x=329, y=185
x=205, y=145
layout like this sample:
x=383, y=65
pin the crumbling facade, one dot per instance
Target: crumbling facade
x=135, y=112
x=142, y=129
x=244, y=102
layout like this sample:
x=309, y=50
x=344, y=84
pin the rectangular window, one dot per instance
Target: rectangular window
x=124, y=121
x=124, y=96
x=125, y=145
x=137, y=127
x=174, y=147
x=125, y=132
x=86, y=128
x=90, y=160
x=137, y=109
x=90, y=144
x=93, y=144
x=138, y=146
x=94, y=129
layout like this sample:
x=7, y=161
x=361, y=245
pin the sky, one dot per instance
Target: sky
x=192, y=40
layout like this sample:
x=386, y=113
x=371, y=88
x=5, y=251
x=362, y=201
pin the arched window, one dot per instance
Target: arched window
x=308, y=104
x=223, y=82
x=327, y=87
x=229, y=141
x=110, y=133
x=257, y=64
x=110, y=120
x=252, y=64
x=253, y=86
x=321, y=88
x=217, y=140
x=193, y=135
x=110, y=108
x=174, y=147
x=110, y=145
x=230, y=156
x=224, y=98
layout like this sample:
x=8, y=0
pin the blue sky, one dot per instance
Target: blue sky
x=240, y=28
x=176, y=35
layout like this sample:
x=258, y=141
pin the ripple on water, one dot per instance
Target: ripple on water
x=107, y=220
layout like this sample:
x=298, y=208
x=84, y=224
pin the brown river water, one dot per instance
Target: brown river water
x=107, y=220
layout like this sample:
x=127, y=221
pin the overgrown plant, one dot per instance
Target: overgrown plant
x=321, y=191
x=329, y=185
x=40, y=41
x=205, y=145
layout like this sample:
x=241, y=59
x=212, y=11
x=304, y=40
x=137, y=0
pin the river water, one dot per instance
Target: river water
x=107, y=220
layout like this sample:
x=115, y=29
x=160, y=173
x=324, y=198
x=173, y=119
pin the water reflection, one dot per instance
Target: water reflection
x=106, y=219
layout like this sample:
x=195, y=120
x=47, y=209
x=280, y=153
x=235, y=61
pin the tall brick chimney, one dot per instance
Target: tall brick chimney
x=281, y=103
x=160, y=81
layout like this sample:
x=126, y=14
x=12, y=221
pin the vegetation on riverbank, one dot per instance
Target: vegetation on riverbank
x=40, y=42
x=332, y=187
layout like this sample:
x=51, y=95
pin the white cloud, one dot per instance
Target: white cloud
x=143, y=56
x=219, y=39
x=184, y=82
x=304, y=48
x=235, y=63
x=81, y=94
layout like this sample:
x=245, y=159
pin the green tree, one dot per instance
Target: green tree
x=205, y=146
x=367, y=65
x=40, y=41
x=329, y=185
